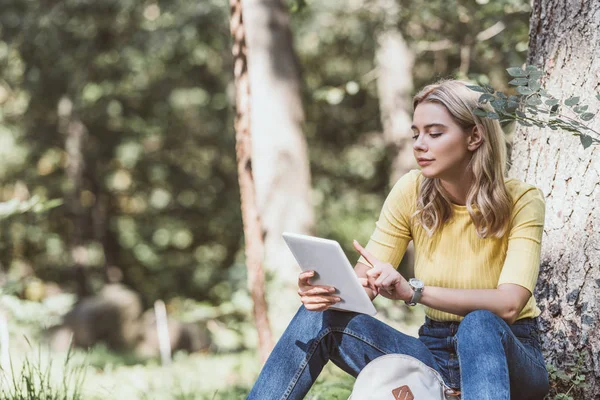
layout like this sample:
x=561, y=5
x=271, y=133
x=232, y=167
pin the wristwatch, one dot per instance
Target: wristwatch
x=417, y=286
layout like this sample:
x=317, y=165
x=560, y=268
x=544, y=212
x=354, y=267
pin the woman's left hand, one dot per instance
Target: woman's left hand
x=384, y=279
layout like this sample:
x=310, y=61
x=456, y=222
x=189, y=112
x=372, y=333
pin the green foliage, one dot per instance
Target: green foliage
x=37, y=380
x=568, y=381
x=535, y=106
x=34, y=204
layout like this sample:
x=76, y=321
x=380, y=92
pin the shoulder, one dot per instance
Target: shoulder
x=408, y=184
x=406, y=189
x=525, y=196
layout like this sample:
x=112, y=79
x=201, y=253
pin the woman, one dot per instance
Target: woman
x=477, y=241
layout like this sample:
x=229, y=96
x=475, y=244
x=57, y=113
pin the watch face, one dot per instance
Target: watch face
x=417, y=284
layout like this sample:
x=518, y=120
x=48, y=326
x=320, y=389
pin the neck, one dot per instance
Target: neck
x=458, y=187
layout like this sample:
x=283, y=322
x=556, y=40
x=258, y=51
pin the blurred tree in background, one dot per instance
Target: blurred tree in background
x=123, y=109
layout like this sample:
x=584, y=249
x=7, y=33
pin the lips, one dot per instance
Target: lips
x=424, y=161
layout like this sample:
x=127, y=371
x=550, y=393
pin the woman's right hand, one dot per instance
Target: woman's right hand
x=314, y=297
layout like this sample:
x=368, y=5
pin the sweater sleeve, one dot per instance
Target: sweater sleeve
x=522, y=262
x=393, y=228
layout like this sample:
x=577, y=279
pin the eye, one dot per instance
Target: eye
x=415, y=136
x=434, y=135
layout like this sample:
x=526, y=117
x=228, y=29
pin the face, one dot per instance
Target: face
x=441, y=146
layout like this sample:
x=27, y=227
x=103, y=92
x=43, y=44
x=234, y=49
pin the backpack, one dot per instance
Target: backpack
x=400, y=377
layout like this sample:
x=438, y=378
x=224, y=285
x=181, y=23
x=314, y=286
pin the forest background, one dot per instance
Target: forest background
x=123, y=112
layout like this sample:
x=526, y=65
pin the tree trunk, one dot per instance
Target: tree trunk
x=279, y=150
x=251, y=219
x=395, y=63
x=76, y=136
x=565, y=43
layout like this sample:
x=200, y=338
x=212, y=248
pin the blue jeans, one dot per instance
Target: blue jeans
x=482, y=355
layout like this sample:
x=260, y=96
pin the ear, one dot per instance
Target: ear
x=475, y=139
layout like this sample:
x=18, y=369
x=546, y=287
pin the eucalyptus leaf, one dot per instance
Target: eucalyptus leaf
x=493, y=115
x=524, y=90
x=521, y=114
x=501, y=95
x=524, y=123
x=476, y=88
x=586, y=140
x=598, y=96
x=587, y=116
x=551, y=102
x=534, y=85
x=519, y=82
x=516, y=72
x=580, y=109
x=511, y=105
x=534, y=101
x=571, y=101
x=489, y=89
x=484, y=98
x=480, y=112
x=531, y=68
x=554, y=109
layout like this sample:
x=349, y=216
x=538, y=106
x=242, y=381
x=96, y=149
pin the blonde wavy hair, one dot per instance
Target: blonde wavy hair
x=488, y=201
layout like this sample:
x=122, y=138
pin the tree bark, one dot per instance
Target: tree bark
x=250, y=216
x=279, y=150
x=565, y=43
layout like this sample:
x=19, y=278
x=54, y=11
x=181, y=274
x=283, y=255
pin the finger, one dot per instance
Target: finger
x=363, y=252
x=320, y=299
x=305, y=276
x=374, y=272
x=316, y=290
x=382, y=277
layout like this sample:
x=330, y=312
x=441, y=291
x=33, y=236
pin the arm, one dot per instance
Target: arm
x=506, y=301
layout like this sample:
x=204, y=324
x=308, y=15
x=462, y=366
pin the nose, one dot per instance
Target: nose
x=419, y=144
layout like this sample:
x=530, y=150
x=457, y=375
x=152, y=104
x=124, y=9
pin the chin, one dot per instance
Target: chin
x=429, y=172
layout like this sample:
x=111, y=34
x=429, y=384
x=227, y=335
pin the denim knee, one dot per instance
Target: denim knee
x=478, y=324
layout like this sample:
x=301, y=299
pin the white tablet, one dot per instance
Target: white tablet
x=332, y=268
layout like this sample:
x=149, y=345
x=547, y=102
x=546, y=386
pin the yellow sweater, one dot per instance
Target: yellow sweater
x=454, y=256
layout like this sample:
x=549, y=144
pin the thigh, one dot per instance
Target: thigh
x=438, y=337
x=526, y=365
x=357, y=339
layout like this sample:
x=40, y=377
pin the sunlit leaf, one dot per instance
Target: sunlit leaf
x=516, y=72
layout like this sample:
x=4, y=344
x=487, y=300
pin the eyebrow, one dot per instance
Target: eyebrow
x=430, y=126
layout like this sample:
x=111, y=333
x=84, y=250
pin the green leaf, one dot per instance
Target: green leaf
x=480, y=112
x=511, y=105
x=531, y=68
x=493, y=115
x=521, y=114
x=484, y=98
x=580, y=109
x=534, y=101
x=489, y=89
x=587, y=116
x=519, y=81
x=516, y=72
x=524, y=123
x=545, y=93
x=524, y=90
x=571, y=101
x=477, y=89
x=534, y=85
x=498, y=104
x=501, y=95
x=586, y=140
x=598, y=96
x=551, y=102
x=554, y=109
